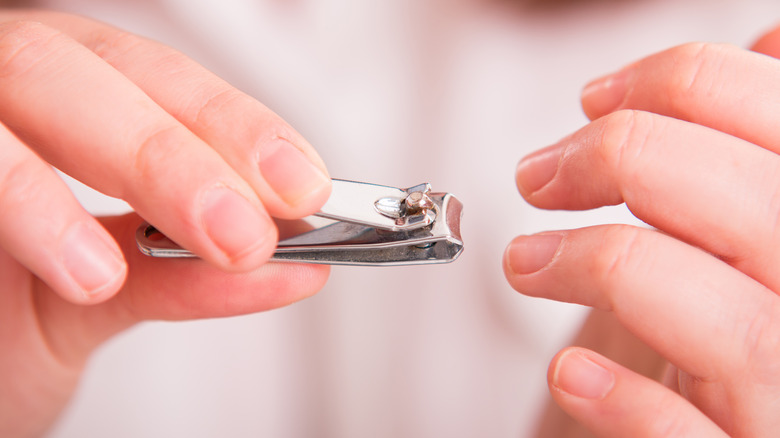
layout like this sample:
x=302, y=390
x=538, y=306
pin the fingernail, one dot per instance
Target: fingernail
x=605, y=94
x=581, y=376
x=290, y=173
x=234, y=224
x=528, y=254
x=92, y=261
x=537, y=169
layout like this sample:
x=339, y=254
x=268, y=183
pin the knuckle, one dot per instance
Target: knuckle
x=621, y=253
x=111, y=43
x=219, y=107
x=760, y=340
x=122, y=49
x=694, y=73
x=624, y=137
x=153, y=151
x=669, y=420
x=24, y=44
x=208, y=107
x=20, y=181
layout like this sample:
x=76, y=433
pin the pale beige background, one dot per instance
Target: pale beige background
x=395, y=92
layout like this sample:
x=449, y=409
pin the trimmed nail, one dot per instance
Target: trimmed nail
x=528, y=254
x=537, y=169
x=233, y=223
x=579, y=375
x=290, y=173
x=92, y=261
x=605, y=94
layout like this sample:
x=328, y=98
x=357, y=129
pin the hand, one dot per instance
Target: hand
x=603, y=333
x=206, y=164
x=687, y=139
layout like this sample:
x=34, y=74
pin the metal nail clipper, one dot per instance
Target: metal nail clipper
x=361, y=224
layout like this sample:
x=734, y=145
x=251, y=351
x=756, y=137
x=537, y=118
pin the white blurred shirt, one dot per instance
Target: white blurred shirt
x=394, y=92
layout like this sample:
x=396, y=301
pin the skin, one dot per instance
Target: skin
x=205, y=163
x=687, y=139
x=672, y=137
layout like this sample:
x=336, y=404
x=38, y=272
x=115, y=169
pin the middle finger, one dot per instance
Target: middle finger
x=87, y=119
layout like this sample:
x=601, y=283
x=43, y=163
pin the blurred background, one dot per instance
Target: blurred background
x=392, y=92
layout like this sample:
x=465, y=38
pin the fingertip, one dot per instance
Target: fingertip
x=283, y=284
x=242, y=232
x=611, y=400
x=296, y=175
x=537, y=169
x=189, y=289
x=528, y=254
x=581, y=373
x=109, y=289
x=95, y=266
x=311, y=278
x=605, y=94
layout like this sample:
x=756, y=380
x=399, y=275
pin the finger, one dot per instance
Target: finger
x=674, y=297
x=173, y=289
x=602, y=332
x=613, y=401
x=45, y=229
x=280, y=165
x=716, y=192
x=87, y=119
x=154, y=287
x=708, y=319
x=768, y=44
x=701, y=83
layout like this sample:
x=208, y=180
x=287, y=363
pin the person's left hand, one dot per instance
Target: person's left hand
x=688, y=139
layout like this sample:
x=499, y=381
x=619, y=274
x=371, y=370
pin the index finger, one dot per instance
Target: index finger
x=278, y=163
x=706, y=84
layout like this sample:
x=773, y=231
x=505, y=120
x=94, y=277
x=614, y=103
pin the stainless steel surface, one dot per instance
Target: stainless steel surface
x=352, y=229
x=374, y=205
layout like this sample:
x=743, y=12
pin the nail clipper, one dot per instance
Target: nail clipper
x=361, y=224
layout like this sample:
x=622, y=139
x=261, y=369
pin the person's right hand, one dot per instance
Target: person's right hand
x=206, y=164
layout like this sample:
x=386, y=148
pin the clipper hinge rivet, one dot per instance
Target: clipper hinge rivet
x=417, y=202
